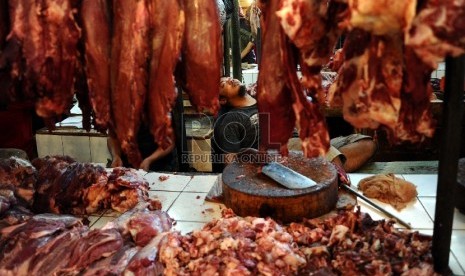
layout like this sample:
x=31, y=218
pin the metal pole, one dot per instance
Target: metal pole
x=227, y=47
x=448, y=162
x=180, y=130
x=235, y=43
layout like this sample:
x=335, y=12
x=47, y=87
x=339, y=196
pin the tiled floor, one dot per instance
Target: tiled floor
x=183, y=197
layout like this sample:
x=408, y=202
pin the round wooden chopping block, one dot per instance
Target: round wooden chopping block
x=248, y=192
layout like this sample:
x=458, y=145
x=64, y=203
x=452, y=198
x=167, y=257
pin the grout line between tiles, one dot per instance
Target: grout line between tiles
x=424, y=208
x=457, y=261
x=172, y=203
x=187, y=184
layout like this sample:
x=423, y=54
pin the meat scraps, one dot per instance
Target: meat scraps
x=348, y=243
x=389, y=189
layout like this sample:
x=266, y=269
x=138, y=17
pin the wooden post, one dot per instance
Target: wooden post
x=448, y=163
x=180, y=130
x=235, y=42
x=226, y=48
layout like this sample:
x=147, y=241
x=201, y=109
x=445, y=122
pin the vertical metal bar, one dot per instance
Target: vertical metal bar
x=258, y=46
x=448, y=162
x=235, y=42
x=227, y=47
x=180, y=130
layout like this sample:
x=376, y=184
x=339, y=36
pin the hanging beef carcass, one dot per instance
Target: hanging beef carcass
x=370, y=80
x=416, y=121
x=437, y=31
x=167, y=28
x=82, y=90
x=4, y=23
x=202, y=54
x=129, y=77
x=379, y=17
x=381, y=82
x=310, y=121
x=312, y=26
x=5, y=81
x=96, y=24
x=48, y=35
x=4, y=30
x=276, y=118
x=276, y=97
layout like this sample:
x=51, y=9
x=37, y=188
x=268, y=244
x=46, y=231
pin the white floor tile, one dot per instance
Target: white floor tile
x=166, y=198
x=101, y=222
x=193, y=207
x=111, y=213
x=167, y=182
x=201, y=183
x=187, y=226
x=458, y=246
x=455, y=266
x=92, y=220
x=430, y=205
x=414, y=213
x=426, y=183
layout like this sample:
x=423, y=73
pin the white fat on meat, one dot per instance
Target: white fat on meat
x=437, y=31
x=338, y=234
x=381, y=17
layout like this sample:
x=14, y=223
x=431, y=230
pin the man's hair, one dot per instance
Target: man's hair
x=242, y=90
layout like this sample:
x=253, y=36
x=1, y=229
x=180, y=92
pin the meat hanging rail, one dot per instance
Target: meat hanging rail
x=448, y=162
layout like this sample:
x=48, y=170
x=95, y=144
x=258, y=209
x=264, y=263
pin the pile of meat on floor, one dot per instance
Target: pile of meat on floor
x=50, y=244
x=59, y=184
x=141, y=242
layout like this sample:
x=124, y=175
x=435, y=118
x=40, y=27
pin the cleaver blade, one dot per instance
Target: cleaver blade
x=286, y=176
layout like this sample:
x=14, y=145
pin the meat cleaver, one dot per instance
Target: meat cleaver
x=286, y=176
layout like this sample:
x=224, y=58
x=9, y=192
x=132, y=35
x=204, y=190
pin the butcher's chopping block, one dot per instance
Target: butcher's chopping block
x=248, y=192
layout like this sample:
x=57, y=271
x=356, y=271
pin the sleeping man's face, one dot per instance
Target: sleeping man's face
x=229, y=88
